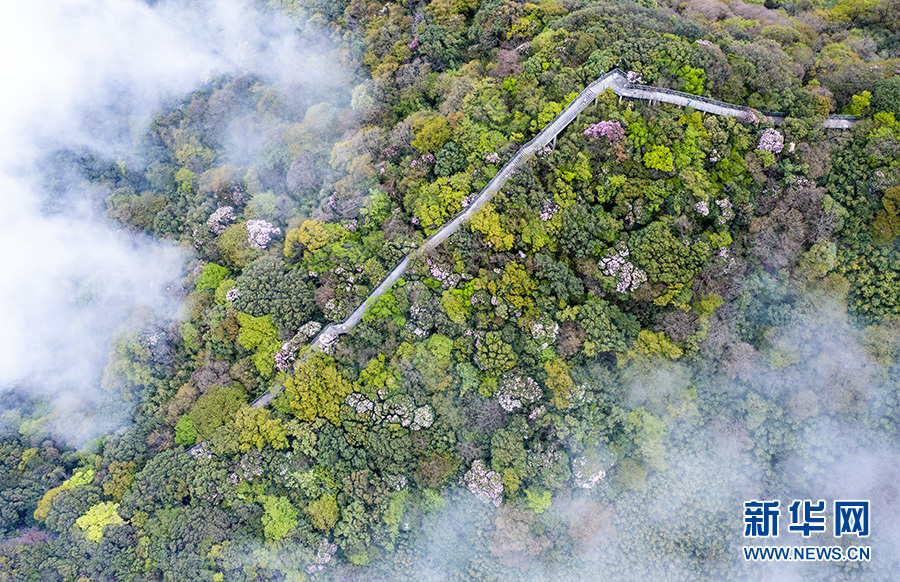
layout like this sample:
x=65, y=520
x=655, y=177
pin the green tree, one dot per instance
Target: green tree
x=280, y=517
x=431, y=133
x=887, y=222
x=659, y=158
x=80, y=477
x=494, y=355
x=234, y=246
x=323, y=512
x=258, y=334
x=257, y=429
x=185, y=431
x=317, y=390
x=211, y=276
x=214, y=408
x=886, y=96
x=560, y=383
x=97, y=518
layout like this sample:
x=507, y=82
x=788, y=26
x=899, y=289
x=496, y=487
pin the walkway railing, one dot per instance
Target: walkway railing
x=615, y=80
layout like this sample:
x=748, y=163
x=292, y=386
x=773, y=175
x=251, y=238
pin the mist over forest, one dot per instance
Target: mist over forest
x=662, y=315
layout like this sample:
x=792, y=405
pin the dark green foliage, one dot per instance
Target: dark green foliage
x=449, y=160
x=886, y=96
x=268, y=286
x=755, y=355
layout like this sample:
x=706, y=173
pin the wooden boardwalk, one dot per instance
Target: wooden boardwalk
x=615, y=80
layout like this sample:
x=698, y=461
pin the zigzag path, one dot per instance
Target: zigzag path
x=615, y=80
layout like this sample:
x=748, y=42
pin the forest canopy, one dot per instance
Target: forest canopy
x=661, y=315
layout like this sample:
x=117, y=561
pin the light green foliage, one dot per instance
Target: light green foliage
x=214, y=408
x=222, y=291
x=511, y=481
x=190, y=334
x=468, y=375
x=310, y=235
x=887, y=222
x=255, y=331
x=80, y=477
x=130, y=369
x=494, y=356
x=438, y=201
x=546, y=115
x=98, y=517
x=433, y=500
x=456, y=305
x=433, y=361
x=385, y=307
x=211, y=276
x=396, y=507
x=886, y=118
x=185, y=431
x=317, y=390
x=649, y=433
x=515, y=286
x=235, y=247
x=487, y=222
x=859, y=104
x=257, y=428
x=378, y=376
x=580, y=170
x=323, y=512
x=538, y=500
x=653, y=343
x=659, y=158
x=185, y=180
x=431, y=133
x=280, y=517
x=258, y=334
x=560, y=383
x=119, y=477
x=693, y=80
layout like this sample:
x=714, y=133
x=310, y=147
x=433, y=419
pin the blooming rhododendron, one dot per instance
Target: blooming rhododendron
x=771, y=141
x=323, y=555
x=611, y=130
x=486, y=485
x=259, y=233
x=514, y=389
x=218, y=219
x=616, y=264
x=549, y=211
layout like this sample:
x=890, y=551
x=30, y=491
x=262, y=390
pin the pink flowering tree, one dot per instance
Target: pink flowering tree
x=611, y=130
x=219, y=219
x=486, y=485
x=549, y=210
x=324, y=553
x=260, y=232
x=616, y=264
x=516, y=390
x=771, y=141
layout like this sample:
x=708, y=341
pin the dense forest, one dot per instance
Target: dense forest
x=660, y=317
